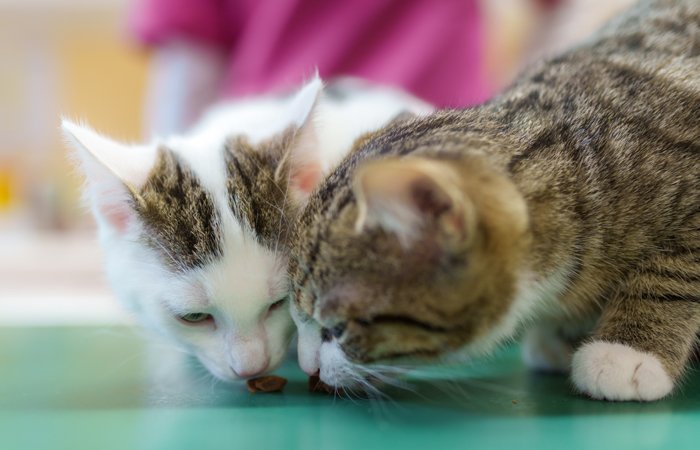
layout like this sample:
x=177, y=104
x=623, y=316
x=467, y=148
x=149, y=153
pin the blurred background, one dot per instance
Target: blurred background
x=95, y=60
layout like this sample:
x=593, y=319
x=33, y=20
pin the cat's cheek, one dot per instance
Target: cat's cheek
x=279, y=338
x=211, y=355
x=214, y=370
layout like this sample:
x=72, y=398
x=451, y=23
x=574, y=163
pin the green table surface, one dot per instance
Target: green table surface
x=112, y=388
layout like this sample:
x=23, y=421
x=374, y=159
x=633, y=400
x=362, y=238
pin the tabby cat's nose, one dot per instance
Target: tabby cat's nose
x=334, y=332
x=326, y=335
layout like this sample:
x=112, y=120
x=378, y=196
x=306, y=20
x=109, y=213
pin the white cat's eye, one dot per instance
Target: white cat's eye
x=195, y=318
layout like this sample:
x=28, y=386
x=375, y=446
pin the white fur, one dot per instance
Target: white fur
x=545, y=351
x=308, y=343
x=238, y=288
x=336, y=369
x=611, y=371
x=128, y=163
x=367, y=106
x=338, y=122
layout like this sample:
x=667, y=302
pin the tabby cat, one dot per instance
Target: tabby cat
x=565, y=211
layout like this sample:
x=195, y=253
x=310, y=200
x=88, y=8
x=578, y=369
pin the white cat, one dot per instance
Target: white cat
x=180, y=253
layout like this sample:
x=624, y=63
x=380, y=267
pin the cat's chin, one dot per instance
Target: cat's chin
x=335, y=368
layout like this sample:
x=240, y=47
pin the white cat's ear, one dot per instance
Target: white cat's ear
x=305, y=101
x=303, y=163
x=112, y=170
x=407, y=196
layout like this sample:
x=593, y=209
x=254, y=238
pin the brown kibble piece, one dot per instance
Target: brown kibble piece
x=269, y=383
x=316, y=385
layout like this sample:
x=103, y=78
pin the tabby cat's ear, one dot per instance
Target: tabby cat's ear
x=403, y=116
x=112, y=171
x=303, y=162
x=410, y=197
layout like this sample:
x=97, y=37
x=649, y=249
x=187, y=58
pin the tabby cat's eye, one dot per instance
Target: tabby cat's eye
x=195, y=318
x=277, y=304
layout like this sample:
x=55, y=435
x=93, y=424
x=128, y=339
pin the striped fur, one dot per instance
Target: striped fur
x=257, y=194
x=584, y=179
x=181, y=221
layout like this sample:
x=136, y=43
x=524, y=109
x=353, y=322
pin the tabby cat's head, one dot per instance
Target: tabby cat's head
x=420, y=261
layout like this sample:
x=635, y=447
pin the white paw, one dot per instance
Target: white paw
x=546, y=352
x=618, y=372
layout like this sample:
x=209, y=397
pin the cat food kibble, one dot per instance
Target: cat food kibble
x=316, y=385
x=269, y=383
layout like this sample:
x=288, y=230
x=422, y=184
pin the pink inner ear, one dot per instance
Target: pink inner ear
x=306, y=178
x=118, y=218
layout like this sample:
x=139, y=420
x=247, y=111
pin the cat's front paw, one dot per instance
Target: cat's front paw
x=617, y=372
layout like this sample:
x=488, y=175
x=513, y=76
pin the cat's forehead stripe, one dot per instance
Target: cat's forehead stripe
x=180, y=218
x=257, y=200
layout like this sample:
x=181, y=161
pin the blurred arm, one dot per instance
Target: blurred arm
x=573, y=22
x=185, y=77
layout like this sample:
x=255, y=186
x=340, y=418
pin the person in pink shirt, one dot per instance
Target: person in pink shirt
x=214, y=49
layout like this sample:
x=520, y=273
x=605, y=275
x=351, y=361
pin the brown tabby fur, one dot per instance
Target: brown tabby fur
x=588, y=166
x=179, y=216
x=258, y=192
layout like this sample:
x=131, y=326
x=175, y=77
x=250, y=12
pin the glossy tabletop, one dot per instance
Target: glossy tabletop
x=111, y=388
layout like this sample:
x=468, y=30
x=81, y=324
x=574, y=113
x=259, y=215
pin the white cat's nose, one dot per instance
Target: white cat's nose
x=250, y=370
x=248, y=354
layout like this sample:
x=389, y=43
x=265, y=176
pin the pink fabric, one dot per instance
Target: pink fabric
x=432, y=48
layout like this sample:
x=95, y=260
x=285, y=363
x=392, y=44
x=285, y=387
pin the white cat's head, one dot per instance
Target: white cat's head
x=193, y=227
